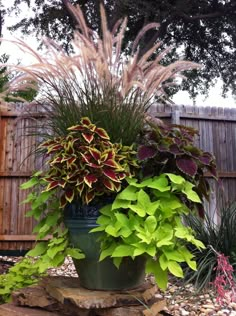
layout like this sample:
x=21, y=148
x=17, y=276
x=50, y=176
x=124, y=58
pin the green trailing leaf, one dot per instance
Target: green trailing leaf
x=138, y=209
x=107, y=252
x=119, y=203
x=122, y=218
x=103, y=220
x=111, y=230
x=117, y=261
x=29, y=184
x=175, y=269
x=75, y=253
x=128, y=194
x=150, y=223
x=143, y=199
x=191, y=195
x=56, y=249
x=123, y=251
x=39, y=249
x=161, y=276
x=174, y=255
x=175, y=178
x=153, y=207
x=163, y=261
x=160, y=183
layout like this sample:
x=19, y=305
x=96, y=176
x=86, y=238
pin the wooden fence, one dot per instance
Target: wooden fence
x=217, y=134
x=16, y=166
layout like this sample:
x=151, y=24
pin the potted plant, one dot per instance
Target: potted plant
x=87, y=171
x=140, y=228
x=95, y=103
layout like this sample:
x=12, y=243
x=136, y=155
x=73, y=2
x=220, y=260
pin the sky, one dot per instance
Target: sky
x=181, y=98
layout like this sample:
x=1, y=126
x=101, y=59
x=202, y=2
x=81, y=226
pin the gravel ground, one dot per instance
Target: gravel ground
x=180, y=300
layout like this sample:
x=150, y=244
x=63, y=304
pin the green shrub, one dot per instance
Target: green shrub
x=220, y=238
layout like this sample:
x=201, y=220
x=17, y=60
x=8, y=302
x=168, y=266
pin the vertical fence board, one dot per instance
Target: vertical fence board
x=16, y=165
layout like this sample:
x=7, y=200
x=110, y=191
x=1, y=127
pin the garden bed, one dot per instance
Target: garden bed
x=181, y=300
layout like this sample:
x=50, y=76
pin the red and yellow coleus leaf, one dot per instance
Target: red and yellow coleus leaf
x=122, y=175
x=80, y=188
x=85, y=121
x=70, y=161
x=111, y=163
x=76, y=128
x=88, y=137
x=111, y=175
x=117, y=186
x=102, y=133
x=90, y=179
x=63, y=201
x=52, y=185
x=69, y=195
x=95, y=153
x=86, y=157
x=108, y=154
x=56, y=160
x=93, y=165
x=108, y=184
x=89, y=196
x=56, y=147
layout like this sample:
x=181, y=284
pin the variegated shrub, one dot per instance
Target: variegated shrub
x=84, y=163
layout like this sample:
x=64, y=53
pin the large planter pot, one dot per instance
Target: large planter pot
x=94, y=274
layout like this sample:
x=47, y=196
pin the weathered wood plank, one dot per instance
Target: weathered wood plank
x=21, y=238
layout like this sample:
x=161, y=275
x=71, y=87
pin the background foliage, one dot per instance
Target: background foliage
x=204, y=30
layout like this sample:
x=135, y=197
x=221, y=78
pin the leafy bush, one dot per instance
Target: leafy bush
x=218, y=238
x=145, y=219
x=170, y=148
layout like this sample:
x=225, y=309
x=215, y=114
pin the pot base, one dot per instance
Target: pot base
x=103, y=275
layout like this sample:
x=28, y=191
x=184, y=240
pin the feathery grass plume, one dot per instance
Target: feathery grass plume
x=97, y=81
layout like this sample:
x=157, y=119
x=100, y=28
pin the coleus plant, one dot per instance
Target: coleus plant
x=170, y=148
x=85, y=164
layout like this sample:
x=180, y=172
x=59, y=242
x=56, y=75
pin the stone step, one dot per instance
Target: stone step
x=12, y=310
x=64, y=296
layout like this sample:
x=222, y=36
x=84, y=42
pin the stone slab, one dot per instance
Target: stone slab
x=34, y=296
x=152, y=310
x=67, y=290
x=12, y=310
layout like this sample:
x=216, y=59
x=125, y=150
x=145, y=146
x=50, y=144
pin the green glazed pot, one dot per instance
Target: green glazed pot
x=102, y=275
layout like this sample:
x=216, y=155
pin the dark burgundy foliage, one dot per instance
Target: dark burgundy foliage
x=171, y=148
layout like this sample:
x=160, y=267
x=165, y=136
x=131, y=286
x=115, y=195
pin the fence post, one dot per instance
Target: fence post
x=175, y=116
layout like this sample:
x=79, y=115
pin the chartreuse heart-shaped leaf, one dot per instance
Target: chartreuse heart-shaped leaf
x=150, y=223
x=119, y=203
x=191, y=195
x=38, y=250
x=107, y=252
x=160, y=183
x=143, y=199
x=128, y=194
x=138, y=209
x=123, y=251
x=175, y=269
x=176, y=179
x=103, y=220
x=161, y=276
